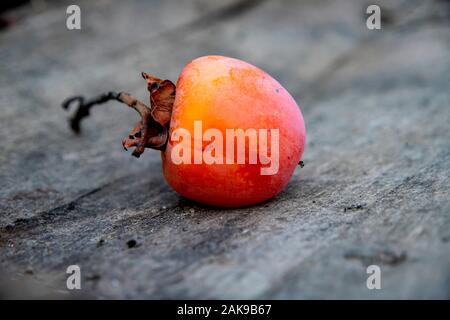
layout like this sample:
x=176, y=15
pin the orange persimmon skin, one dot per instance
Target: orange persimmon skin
x=226, y=93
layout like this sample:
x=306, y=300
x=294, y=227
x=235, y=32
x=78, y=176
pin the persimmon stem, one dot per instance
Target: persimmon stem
x=146, y=115
x=152, y=130
x=84, y=106
x=142, y=133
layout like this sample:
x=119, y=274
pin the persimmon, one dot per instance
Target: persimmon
x=229, y=134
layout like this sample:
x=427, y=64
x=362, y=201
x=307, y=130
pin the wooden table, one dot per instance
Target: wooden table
x=375, y=188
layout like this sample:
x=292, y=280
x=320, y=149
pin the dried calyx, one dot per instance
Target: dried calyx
x=153, y=129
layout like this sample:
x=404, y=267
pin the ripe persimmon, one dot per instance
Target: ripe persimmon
x=229, y=134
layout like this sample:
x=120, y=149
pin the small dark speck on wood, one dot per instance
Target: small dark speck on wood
x=94, y=277
x=131, y=243
x=354, y=207
x=100, y=243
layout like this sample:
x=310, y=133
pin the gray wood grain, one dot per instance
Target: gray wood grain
x=375, y=188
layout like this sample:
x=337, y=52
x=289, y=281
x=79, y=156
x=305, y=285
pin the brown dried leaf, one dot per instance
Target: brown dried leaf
x=162, y=101
x=162, y=97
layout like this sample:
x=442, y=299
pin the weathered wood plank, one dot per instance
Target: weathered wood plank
x=375, y=188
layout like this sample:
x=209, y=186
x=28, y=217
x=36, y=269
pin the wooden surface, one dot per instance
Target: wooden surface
x=375, y=188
